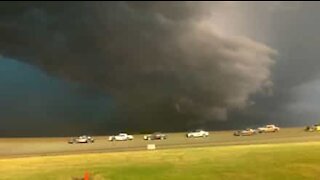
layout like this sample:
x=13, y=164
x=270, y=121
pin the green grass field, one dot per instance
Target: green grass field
x=272, y=161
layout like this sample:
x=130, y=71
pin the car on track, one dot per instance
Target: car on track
x=81, y=139
x=121, y=137
x=246, y=132
x=268, y=128
x=312, y=128
x=197, y=133
x=155, y=136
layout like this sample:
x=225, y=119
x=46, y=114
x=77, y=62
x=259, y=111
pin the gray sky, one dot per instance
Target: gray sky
x=172, y=65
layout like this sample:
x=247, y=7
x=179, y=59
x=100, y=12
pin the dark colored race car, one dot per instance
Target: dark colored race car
x=246, y=132
x=313, y=128
x=81, y=139
x=155, y=136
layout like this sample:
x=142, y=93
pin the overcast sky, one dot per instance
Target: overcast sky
x=102, y=67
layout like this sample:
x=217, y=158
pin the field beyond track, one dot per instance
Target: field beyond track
x=269, y=161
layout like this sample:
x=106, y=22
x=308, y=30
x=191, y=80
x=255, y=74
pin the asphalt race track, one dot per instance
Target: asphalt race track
x=17, y=147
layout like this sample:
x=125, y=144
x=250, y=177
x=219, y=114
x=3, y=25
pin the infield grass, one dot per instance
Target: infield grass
x=271, y=161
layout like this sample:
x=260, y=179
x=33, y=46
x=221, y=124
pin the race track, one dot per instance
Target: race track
x=17, y=147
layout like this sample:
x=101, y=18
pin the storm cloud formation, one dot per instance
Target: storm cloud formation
x=162, y=62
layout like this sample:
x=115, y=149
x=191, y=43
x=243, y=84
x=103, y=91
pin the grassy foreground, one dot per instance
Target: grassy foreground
x=273, y=161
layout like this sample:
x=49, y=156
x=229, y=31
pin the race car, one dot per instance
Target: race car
x=246, y=132
x=81, y=139
x=197, y=133
x=155, y=136
x=315, y=127
x=268, y=128
x=121, y=137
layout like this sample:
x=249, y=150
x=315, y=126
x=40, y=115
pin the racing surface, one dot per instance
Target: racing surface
x=17, y=147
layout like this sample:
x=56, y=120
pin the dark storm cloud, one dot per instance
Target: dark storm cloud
x=163, y=62
x=293, y=29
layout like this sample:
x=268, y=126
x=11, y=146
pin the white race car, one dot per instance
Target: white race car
x=197, y=133
x=268, y=128
x=121, y=137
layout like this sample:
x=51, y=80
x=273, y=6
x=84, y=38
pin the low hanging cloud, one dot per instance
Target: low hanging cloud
x=159, y=60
